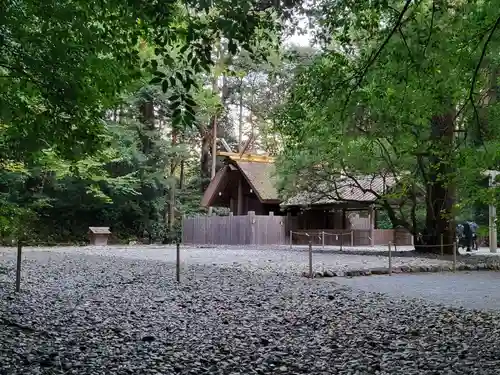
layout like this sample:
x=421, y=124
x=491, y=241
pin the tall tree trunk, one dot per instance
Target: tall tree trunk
x=148, y=120
x=440, y=196
x=240, y=119
x=181, y=175
x=206, y=142
x=205, y=158
x=173, y=185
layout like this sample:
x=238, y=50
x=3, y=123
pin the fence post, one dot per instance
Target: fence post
x=178, y=262
x=323, y=239
x=251, y=218
x=454, y=257
x=352, y=238
x=182, y=228
x=18, y=265
x=341, y=241
x=291, y=233
x=390, y=259
x=310, y=259
x=442, y=245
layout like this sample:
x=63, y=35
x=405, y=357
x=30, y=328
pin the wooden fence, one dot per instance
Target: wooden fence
x=352, y=237
x=250, y=229
x=254, y=229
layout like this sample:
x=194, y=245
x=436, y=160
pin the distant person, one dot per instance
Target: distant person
x=470, y=235
x=474, y=227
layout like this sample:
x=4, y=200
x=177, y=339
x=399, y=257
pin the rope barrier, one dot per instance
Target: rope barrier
x=435, y=245
x=390, y=246
x=327, y=233
x=321, y=236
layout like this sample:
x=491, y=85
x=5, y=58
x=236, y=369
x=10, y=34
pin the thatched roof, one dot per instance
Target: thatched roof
x=261, y=178
x=344, y=189
x=259, y=175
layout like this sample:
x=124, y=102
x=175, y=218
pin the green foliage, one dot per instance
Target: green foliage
x=66, y=67
x=397, y=92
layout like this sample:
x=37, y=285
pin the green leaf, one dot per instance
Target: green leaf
x=155, y=80
x=164, y=85
x=189, y=101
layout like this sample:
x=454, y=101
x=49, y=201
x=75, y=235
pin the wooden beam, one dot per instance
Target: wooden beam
x=371, y=215
x=247, y=144
x=247, y=157
x=225, y=145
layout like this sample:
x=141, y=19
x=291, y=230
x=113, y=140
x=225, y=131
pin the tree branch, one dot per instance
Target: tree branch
x=406, y=45
x=430, y=28
x=476, y=72
x=377, y=53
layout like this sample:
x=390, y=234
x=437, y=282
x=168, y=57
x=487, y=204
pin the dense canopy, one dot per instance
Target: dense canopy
x=108, y=108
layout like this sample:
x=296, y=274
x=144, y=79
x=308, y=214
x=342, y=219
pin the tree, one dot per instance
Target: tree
x=64, y=64
x=395, y=95
x=260, y=88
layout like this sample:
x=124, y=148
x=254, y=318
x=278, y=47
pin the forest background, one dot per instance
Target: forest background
x=107, y=108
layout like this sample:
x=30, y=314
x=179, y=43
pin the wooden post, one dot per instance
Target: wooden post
x=239, y=201
x=215, y=90
x=352, y=238
x=454, y=257
x=240, y=122
x=18, y=265
x=492, y=213
x=310, y=259
x=251, y=218
x=182, y=228
x=323, y=239
x=178, y=262
x=442, y=245
x=390, y=259
x=372, y=225
x=341, y=241
x=291, y=233
x=493, y=228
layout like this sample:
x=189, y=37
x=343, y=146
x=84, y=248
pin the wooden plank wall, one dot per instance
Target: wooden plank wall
x=268, y=230
x=234, y=230
x=217, y=230
x=275, y=230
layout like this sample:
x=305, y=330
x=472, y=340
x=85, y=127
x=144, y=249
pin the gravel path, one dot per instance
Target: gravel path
x=262, y=259
x=83, y=314
x=473, y=290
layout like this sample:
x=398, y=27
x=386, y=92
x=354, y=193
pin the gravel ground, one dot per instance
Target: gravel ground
x=473, y=290
x=263, y=259
x=87, y=314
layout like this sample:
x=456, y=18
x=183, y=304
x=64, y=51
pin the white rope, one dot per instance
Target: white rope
x=325, y=233
x=338, y=234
